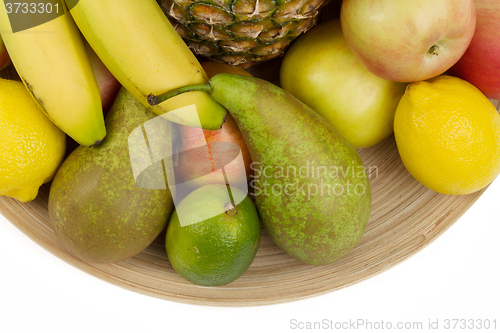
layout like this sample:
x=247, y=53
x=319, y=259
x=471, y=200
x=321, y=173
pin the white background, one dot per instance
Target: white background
x=456, y=276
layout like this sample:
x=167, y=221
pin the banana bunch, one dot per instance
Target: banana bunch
x=140, y=47
x=52, y=62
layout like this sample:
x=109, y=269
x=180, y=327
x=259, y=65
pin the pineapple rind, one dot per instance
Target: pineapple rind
x=241, y=32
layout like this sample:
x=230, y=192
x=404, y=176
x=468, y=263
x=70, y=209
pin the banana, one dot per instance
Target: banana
x=139, y=46
x=52, y=62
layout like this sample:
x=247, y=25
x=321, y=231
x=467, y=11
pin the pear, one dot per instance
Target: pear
x=95, y=207
x=310, y=185
x=311, y=188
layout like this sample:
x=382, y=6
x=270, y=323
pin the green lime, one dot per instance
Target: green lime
x=211, y=242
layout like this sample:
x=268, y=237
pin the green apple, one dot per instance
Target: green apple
x=321, y=71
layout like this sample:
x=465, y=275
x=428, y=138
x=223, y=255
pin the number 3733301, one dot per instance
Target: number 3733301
x=32, y=8
x=470, y=324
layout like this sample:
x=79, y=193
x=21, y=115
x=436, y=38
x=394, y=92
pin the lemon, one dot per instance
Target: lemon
x=216, y=250
x=31, y=146
x=448, y=135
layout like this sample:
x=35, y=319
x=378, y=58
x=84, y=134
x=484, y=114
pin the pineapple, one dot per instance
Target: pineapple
x=241, y=32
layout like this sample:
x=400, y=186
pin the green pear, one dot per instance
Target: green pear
x=95, y=207
x=311, y=188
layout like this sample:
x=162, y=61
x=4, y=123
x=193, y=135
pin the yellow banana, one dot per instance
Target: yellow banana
x=139, y=46
x=52, y=62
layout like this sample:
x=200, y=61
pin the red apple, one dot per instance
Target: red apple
x=408, y=40
x=4, y=56
x=480, y=65
x=108, y=88
x=202, y=166
x=108, y=84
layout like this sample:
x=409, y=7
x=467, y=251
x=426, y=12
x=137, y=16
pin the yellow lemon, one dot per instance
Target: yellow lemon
x=31, y=146
x=448, y=135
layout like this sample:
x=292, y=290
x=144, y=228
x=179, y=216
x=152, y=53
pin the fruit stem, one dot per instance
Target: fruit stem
x=230, y=208
x=155, y=100
x=433, y=50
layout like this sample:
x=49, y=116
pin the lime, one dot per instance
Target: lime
x=217, y=250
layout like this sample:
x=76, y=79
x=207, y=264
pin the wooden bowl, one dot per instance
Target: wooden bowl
x=405, y=217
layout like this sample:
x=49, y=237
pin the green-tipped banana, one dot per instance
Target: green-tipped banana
x=139, y=46
x=52, y=62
